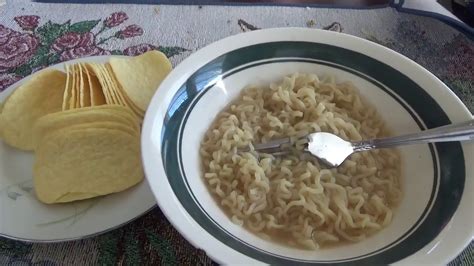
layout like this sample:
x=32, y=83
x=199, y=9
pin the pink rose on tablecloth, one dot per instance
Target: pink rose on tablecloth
x=7, y=80
x=130, y=31
x=16, y=49
x=27, y=22
x=115, y=19
x=73, y=40
x=138, y=49
x=6, y=33
x=82, y=52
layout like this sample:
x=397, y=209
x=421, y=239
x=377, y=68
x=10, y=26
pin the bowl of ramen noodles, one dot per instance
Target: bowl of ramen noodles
x=242, y=206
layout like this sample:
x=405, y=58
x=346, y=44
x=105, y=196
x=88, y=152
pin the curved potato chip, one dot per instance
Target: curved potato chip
x=75, y=164
x=41, y=95
x=110, y=85
x=96, y=94
x=117, y=89
x=97, y=70
x=72, y=99
x=67, y=90
x=84, y=89
x=140, y=76
x=87, y=115
x=77, y=87
x=104, y=124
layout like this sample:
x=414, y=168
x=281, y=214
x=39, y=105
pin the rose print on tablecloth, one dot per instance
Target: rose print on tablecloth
x=72, y=40
x=115, y=19
x=145, y=47
x=35, y=45
x=138, y=49
x=15, y=48
x=5, y=33
x=27, y=22
x=130, y=31
x=83, y=52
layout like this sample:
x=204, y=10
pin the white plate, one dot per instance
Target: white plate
x=434, y=221
x=23, y=217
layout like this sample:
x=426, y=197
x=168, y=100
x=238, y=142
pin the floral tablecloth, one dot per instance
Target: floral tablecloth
x=33, y=36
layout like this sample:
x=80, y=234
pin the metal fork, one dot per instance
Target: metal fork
x=333, y=150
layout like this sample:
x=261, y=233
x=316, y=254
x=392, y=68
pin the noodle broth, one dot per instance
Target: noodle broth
x=294, y=199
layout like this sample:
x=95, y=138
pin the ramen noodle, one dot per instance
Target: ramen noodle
x=294, y=198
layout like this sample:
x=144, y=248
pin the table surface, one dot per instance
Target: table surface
x=178, y=31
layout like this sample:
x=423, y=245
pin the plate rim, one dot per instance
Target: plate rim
x=11, y=88
x=200, y=58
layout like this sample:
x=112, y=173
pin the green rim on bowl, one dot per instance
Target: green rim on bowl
x=448, y=158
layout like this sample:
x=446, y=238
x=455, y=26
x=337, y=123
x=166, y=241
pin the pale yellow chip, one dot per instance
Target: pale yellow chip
x=114, y=123
x=96, y=93
x=67, y=90
x=96, y=69
x=84, y=89
x=76, y=164
x=94, y=72
x=72, y=99
x=118, y=91
x=86, y=116
x=2, y=104
x=41, y=95
x=77, y=103
x=110, y=86
x=140, y=76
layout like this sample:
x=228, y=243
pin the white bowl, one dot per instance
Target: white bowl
x=434, y=221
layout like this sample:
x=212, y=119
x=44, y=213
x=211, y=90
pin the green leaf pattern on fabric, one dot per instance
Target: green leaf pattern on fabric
x=171, y=50
x=83, y=26
x=49, y=32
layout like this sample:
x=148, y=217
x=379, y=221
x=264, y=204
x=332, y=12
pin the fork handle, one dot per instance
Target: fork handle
x=455, y=132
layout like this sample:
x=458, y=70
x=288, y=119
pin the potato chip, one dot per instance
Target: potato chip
x=87, y=115
x=97, y=96
x=72, y=99
x=40, y=95
x=103, y=83
x=114, y=83
x=118, y=91
x=77, y=103
x=110, y=85
x=117, y=125
x=140, y=76
x=76, y=164
x=2, y=104
x=84, y=90
x=67, y=90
